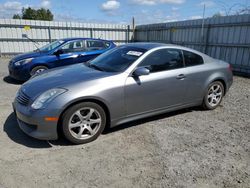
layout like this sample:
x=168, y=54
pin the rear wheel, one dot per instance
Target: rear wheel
x=37, y=70
x=83, y=122
x=213, y=95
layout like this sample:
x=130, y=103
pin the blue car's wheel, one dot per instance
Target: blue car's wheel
x=37, y=70
x=83, y=122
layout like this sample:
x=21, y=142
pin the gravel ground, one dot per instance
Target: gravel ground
x=187, y=148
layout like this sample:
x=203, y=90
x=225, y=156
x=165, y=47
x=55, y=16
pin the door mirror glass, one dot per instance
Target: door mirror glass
x=141, y=71
x=58, y=52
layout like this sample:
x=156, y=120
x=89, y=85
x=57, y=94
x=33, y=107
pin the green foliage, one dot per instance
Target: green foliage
x=16, y=16
x=33, y=14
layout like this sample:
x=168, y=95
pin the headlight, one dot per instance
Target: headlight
x=46, y=97
x=23, y=62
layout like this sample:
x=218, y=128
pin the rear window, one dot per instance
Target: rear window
x=192, y=59
x=95, y=44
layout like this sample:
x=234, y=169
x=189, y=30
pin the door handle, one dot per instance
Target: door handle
x=180, y=76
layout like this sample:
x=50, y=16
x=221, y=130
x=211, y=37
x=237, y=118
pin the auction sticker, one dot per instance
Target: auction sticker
x=134, y=53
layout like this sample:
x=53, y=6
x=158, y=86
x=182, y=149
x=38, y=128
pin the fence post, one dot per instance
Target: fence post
x=147, y=34
x=50, y=40
x=71, y=31
x=91, y=32
x=170, y=35
x=207, y=38
x=133, y=30
x=128, y=35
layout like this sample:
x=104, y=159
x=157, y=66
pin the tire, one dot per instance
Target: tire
x=213, y=96
x=37, y=70
x=83, y=122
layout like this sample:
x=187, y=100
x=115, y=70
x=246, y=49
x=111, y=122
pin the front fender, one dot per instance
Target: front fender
x=81, y=99
x=44, y=61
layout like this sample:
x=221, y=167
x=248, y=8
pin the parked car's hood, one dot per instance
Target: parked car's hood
x=27, y=55
x=63, y=77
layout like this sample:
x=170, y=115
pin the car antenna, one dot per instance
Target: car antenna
x=34, y=42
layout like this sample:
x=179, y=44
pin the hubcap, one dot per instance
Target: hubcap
x=214, y=95
x=84, y=123
x=39, y=71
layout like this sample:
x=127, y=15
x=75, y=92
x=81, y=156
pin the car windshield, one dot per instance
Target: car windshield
x=51, y=46
x=117, y=59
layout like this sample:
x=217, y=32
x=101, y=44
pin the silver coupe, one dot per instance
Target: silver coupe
x=126, y=83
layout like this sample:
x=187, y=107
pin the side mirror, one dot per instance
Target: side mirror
x=58, y=52
x=141, y=71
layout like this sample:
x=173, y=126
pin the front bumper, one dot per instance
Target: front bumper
x=19, y=73
x=32, y=122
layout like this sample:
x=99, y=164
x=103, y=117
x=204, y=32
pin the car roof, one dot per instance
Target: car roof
x=152, y=45
x=149, y=45
x=81, y=38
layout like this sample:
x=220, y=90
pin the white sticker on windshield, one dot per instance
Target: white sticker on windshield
x=135, y=53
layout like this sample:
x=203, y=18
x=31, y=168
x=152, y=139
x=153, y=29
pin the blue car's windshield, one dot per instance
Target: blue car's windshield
x=117, y=59
x=51, y=46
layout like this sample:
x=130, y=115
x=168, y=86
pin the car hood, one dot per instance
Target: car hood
x=27, y=55
x=63, y=77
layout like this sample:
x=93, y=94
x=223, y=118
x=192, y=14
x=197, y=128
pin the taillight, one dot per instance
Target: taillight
x=230, y=68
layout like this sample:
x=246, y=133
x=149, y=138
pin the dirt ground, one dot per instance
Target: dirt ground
x=187, y=148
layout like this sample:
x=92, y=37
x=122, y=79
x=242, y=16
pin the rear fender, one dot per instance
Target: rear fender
x=215, y=77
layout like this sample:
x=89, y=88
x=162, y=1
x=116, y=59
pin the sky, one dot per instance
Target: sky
x=122, y=11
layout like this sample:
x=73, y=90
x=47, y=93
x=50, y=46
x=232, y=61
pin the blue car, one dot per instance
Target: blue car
x=58, y=53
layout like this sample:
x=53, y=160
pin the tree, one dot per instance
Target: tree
x=29, y=14
x=16, y=16
x=33, y=14
x=43, y=14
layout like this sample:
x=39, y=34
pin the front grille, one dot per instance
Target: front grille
x=22, y=98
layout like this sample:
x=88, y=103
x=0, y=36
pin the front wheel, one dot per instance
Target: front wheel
x=83, y=122
x=213, y=95
x=37, y=70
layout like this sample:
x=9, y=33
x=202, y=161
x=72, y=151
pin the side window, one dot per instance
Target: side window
x=192, y=59
x=95, y=45
x=73, y=46
x=164, y=59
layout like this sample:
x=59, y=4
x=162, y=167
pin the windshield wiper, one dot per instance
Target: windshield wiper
x=88, y=64
x=95, y=67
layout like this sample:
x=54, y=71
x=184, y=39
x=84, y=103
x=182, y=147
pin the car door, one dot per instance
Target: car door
x=72, y=52
x=164, y=87
x=196, y=76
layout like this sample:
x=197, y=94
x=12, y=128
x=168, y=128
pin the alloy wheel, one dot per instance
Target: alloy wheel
x=214, y=95
x=84, y=123
x=39, y=71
